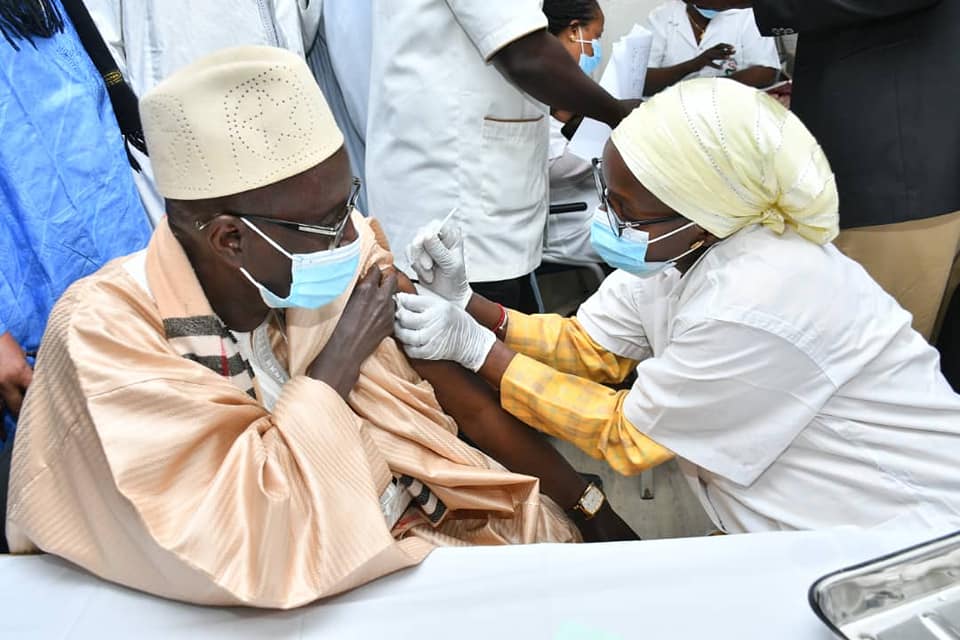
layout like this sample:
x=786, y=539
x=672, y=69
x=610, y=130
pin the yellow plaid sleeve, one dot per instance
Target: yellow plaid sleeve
x=563, y=344
x=585, y=413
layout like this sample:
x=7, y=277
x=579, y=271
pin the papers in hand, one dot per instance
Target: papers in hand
x=624, y=79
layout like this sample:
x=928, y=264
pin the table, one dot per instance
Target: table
x=743, y=587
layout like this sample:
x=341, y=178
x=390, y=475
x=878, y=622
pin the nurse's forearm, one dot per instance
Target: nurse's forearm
x=488, y=314
x=758, y=77
x=540, y=66
x=660, y=79
x=588, y=415
x=496, y=364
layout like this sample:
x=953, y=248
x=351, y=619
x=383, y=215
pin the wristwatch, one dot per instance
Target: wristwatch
x=590, y=502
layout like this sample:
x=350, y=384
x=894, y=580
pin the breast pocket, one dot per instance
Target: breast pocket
x=515, y=171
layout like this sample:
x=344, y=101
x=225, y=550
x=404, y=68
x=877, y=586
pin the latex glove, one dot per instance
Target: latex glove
x=436, y=255
x=434, y=329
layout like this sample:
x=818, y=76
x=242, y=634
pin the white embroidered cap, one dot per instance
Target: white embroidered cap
x=236, y=120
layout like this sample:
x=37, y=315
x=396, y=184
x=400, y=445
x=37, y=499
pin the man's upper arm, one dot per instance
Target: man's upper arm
x=493, y=24
x=783, y=17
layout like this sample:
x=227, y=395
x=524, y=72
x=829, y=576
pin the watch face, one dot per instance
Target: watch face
x=592, y=500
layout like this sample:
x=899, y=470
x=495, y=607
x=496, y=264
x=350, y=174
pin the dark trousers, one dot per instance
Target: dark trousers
x=516, y=294
x=5, y=456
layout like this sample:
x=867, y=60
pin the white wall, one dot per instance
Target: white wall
x=621, y=16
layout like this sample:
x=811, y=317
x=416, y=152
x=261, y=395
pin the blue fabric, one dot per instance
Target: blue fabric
x=68, y=203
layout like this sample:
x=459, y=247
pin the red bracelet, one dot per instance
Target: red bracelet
x=502, y=323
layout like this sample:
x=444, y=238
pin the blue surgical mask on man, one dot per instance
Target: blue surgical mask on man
x=317, y=278
x=709, y=14
x=629, y=252
x=589, y=64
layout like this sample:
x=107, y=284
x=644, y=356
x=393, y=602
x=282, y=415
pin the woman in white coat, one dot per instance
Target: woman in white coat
x=791, y=388
x=578, y=24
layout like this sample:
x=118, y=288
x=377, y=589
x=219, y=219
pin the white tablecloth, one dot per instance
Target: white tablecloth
x=743, y=587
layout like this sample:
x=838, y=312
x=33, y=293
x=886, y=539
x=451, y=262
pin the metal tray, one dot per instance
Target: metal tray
x=912, y=594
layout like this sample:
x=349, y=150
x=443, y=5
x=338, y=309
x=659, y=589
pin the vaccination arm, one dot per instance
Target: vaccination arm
x=476, y=409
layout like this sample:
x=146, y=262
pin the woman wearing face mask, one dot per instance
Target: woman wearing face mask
x=692, y=42
x=791, y=388
x=578, y=24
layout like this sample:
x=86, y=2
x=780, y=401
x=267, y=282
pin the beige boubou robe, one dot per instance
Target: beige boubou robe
x=161, y=473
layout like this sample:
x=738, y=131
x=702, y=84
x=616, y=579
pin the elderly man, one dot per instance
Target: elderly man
x=222, y=418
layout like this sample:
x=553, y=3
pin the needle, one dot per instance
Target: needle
x=447, y=219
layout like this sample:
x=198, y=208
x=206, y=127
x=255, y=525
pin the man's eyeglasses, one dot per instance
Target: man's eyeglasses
x=334, y=232
x=616, y=223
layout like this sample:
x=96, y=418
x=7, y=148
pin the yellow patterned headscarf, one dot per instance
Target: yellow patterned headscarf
x=727, y=157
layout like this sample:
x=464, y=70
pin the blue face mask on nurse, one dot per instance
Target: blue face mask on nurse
x=635, y=231
x=579, y=31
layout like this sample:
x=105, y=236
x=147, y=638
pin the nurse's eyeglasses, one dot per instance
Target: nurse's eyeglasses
x=334, y=232
x=616, y=223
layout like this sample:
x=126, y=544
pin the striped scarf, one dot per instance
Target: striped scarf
x=207, y=341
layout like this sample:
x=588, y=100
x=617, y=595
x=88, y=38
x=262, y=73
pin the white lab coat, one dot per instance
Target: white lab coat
x=674, y=41
x=150, y=39
x=571, y=181
x=447, y=130
x=791, y=387
x=340, y=60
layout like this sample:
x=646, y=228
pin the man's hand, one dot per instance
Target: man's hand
x=436, y=255
x=719, y=52
x=366, y=321
x=15, y=376
x=434, y=329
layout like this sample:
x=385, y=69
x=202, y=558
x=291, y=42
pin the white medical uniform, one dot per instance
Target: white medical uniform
x=790, y=386
x=150, y=39
x=447, y=130
x=674, y=41
x=340, y=60
x=571, y=181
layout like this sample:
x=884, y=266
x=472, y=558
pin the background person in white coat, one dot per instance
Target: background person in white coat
x=792, y=389
x=458, y=121
x=578, y=24
x=339, y=57
x=692, y=42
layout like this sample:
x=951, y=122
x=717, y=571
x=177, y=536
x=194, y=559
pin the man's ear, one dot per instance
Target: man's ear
x=225, y=236
x=573, y=30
